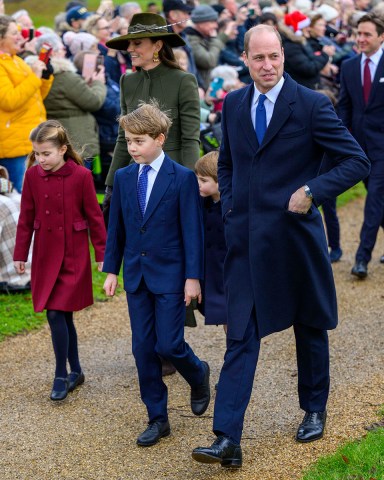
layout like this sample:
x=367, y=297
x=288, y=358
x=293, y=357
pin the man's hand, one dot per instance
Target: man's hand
x=192, y=290
x=19, y=267
x=299, y=202
x=110, y=284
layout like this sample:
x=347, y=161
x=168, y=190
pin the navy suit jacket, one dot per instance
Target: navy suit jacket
x=166, y=246
x=278, y=261
x=366, y=122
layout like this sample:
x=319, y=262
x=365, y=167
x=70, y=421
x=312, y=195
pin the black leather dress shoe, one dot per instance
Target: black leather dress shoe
x=312, y=427
x=59, y=389
x=382, y=259
x=201, y=395
x=153, y=433
x=74, y=380
x=360, y=269
x=222, y=451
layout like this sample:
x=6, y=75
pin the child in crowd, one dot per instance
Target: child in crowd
x=155, y=225
x=213, y=306
x=59, y=206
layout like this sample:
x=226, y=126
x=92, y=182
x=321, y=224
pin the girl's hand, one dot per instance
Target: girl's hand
x=100, y=266
x=192, y=290
x=19, y=267
x=110, y=284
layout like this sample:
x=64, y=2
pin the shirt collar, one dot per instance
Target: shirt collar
x=375, y=58
x=271, y=94
x=156, y=164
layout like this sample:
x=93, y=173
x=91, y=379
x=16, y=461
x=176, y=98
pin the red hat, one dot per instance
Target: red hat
x=297, y=21
x=25, y=32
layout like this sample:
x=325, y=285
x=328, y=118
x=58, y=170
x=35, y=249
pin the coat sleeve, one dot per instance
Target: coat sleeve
x=88, y=98
x=114, y=251
x=192, y=227
x=13, y=97
x=225, y=167
x=26, y=222
x=344, y=106
x=189, y=114
x=94, y=216
x=350, y=164
x=206, y=58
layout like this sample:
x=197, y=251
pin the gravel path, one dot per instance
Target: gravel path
x=92, y=434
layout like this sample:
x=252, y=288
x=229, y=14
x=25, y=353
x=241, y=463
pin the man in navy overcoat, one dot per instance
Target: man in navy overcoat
x=365, y=117
x=277, y=272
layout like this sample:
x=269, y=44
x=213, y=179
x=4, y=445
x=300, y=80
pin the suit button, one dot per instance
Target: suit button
x=143, y=254
x=60, y=228
x=47, y=212
x=142, y=230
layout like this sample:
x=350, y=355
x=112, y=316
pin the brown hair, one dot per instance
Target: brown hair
x=5, y=21
x=315, y=19
x=267, y=28
x=147, y=119
x=166, y=55
x=54, y=132
x=375, y=19
x=206, y=166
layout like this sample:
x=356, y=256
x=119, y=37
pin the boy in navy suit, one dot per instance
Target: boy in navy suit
x=156, y=226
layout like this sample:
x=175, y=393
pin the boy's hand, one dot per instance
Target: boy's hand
x=192, y=290
x=110, y=284
x=19, y=267
x=100, y=266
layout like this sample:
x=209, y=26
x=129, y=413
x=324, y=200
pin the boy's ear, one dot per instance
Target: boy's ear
x=160, y=139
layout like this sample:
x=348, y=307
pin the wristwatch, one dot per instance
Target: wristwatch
x=308, y=192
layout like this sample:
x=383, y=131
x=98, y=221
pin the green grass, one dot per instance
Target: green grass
x=359, y=460
x=43, y=12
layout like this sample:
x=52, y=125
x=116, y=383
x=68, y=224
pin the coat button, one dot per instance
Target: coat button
x=209, y=245
x=143, y=254
x=60, y=228
x=59, y=195
x=59, y=179
x=46, y=195
x=142, y=230
x=46, y=179
x=60, y=212
x=47, y=212
x=49, y=229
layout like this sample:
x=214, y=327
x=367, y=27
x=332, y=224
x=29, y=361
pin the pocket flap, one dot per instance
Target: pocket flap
x=36, y=224
x=80, y=225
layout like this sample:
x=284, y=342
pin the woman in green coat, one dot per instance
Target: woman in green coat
x=157, y=76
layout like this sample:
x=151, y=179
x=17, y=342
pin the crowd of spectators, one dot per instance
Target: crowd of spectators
x=80, y=83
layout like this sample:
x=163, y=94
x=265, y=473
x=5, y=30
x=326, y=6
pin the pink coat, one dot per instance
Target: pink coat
x=60, y=208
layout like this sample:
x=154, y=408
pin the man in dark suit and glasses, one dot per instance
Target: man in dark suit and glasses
x=277, y=271
x=361, y=108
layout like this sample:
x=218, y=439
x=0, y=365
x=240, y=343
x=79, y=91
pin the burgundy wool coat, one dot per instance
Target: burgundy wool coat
x=60, y=208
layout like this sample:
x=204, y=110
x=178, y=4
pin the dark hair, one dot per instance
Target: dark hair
x=268, y=17
x=315, y=19
x=54, y=132
x=166, y=55
x=375, y=19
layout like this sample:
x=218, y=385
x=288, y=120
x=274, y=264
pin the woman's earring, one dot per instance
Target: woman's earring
x=156, y=57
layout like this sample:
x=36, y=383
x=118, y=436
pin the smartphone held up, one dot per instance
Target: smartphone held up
x=45, y=53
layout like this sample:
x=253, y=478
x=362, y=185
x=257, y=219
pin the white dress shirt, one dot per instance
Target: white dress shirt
x=152, y=174
x=375, y=59
x=269, y=102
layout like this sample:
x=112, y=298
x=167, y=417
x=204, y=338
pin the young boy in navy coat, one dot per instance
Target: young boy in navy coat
x=155, y=225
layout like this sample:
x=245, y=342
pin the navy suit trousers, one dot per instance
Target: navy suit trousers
x=157, y=323
x=237, y=375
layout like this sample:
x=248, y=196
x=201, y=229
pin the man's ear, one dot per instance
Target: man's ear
x=245, y=59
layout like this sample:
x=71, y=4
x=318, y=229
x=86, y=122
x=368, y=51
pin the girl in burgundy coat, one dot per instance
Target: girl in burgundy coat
x=59, y=207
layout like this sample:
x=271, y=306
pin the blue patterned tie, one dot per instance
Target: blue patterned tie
x=261, y=119
x=142, y=185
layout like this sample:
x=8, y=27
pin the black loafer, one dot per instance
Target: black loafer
x=201, y=395
x=312, y=427
x=360, y=269
x=222, y=451
x=74, y=380
x=153, y=433
x=60, y=389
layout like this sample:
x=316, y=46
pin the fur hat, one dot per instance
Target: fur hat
x=146, y=25
x=204, y=13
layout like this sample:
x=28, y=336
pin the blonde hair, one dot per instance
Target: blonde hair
x=54, y=132
x=147, y=119
x=206, y=166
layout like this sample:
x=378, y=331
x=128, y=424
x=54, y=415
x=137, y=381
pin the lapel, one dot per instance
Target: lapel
x=244, y=116
x=379, y=74
x=129, y=190
x=356, y=79
x=163, y=179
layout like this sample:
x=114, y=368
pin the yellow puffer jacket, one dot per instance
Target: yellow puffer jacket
x=21, y=105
